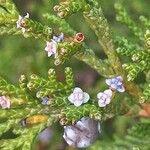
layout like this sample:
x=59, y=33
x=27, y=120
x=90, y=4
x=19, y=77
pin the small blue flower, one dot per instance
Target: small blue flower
x=45, y=101
x=116, y=84
x=59, y=38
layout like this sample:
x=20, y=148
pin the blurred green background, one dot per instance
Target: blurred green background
x=19, y=55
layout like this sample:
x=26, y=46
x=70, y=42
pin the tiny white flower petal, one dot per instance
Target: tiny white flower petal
x=70, y=133
x=8, y=104
x=20, y=17
x=99, y=95
x=47, y=43
x=49, y=54
x=84, y=123
x=114, y=80
x=54, y=49
x=122, y=89
x=56, y=55
x=86, y=97
x=71, y=98
x=77, y=103
x=108, y=81
x=108, y=92
x=27, y=15
x=102, y=100
x=54, y=38
x=108, y=100
x=113, y=86
x=18, y=25
x=54, y=41
x=83, y=143
x=77, y=89
x=46, y=49
x=81, y=125
x=101, y=104
x=119, y=83
x=23, y=30
x=119, y=78
x=99, y=127
x=69, y=141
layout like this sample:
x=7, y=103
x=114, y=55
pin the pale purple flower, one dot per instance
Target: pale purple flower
x=78, y=97
x=4, y=102
x=51, y=48
x=59, y=38
x=104, y=98
x=83, y=133
x=116, y=84
x=21, y=21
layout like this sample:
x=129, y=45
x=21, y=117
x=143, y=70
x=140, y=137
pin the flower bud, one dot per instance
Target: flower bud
x=79, y=37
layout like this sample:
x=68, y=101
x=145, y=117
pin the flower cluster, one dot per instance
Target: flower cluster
x=51, y=47
x=20, y=22
x=4, y=102
x=83, y=133
x=115, y=84
x=78, y=97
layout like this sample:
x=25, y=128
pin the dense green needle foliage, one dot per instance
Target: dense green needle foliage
x=124, y=58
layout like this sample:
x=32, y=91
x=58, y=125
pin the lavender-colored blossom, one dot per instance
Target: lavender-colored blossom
x=20, y=22
x=4, y=102
x=116, y=84
x=78, y=97
x=104, y=98
x=51, y=48
x=59, y=38
x=83, y=133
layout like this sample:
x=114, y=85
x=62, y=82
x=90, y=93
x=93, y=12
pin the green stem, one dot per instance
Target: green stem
x=99, y=24
x=88, y=56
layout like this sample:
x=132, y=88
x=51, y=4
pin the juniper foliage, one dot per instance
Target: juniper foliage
x=26, y=97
